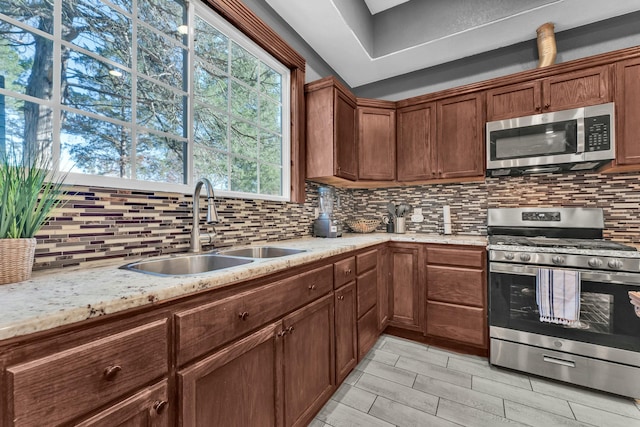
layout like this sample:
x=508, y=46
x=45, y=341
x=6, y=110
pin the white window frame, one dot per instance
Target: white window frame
x=204, y=11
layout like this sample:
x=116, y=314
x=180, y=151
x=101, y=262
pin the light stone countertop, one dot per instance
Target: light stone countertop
x=61, y=297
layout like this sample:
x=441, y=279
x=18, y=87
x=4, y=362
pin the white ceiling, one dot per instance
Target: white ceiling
x=366, y=41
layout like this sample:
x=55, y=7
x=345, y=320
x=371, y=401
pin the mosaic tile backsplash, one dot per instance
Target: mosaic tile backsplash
x=98, y=223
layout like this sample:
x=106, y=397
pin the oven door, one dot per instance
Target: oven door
x=607, y=316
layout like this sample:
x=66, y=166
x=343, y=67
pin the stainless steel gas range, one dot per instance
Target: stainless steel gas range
x=559, y=298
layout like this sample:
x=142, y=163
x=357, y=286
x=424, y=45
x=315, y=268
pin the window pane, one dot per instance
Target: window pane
x=244, y=175
x=270, y=82
x=25, y=127
x=36, y=13
x=270, y=148
x=270, y=180
x=96, y=27
x=158, y=58
x=211, y=164
x=160, y=159
x=210, y=128
x=160, y=108
x=244, y=66
x=244, y=102
x=97, y=87
x=270, y=115
x=212, y=45
x=95, y=147
x=211, y=87
x=165, y=15
x=26, y=61
x=244, y=139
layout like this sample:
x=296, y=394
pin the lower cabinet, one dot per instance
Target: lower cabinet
x=405, y=286
x=278, y=376
x=346, y=333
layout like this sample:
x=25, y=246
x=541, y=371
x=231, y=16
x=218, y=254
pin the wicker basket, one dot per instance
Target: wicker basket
x=16, y=259
x=363, y=225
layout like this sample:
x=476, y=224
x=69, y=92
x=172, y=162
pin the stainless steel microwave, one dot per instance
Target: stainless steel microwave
x=569, y=140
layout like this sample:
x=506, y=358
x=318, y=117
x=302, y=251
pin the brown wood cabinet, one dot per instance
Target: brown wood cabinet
x=460, y=136
x=376, y=126
x=346, y=332
x=367, y=296
x=331, y=130
x=383, y=288
x=564, y=91
x=627, y=112
x=457, y=294
x=415, y=145
x=407, y=297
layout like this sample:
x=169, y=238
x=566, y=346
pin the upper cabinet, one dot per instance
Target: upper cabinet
x=331, y=130
x=460, y=136
x=415, y=144
x=627, y=112
x=376, y=126
x=560, y=92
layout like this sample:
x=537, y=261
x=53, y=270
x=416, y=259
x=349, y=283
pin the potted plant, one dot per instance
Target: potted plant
x=28, y=194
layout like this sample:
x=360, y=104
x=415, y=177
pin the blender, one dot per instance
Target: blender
x=325, y=225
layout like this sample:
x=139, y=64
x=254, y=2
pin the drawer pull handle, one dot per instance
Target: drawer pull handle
x=244, y=315
x=111, y=372
x=159, y=406
x=347, y=272
x=341, y=297
x=562, y=362
x=312, y=287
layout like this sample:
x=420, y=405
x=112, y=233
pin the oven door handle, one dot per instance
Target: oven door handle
x=615, y=277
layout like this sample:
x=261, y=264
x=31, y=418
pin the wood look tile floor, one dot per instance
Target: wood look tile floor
x=403, y=383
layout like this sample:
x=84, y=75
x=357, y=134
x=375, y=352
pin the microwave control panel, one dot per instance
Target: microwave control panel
x=597, y=131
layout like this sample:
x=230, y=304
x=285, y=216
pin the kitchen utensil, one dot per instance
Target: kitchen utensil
x=391, y=208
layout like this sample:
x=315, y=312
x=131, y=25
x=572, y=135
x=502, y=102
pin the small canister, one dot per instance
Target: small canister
x=399, y=225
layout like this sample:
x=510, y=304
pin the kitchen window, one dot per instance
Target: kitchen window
x=144, y=94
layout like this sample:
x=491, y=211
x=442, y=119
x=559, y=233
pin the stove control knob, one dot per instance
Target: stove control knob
x=595, y=262
x=525, y=257
x=616, y=264
x=557, y=259
x=509, y=255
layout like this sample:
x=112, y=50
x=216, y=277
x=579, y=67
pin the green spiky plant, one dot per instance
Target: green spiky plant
x=28, y=194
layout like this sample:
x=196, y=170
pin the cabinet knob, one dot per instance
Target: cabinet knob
x=244, y=315
x=159, y=406
x=289, y=330
x=347, y=272
x=312, y=287
x=538, y=108
x=111, y=372
x=546, y=106
x=341, y=297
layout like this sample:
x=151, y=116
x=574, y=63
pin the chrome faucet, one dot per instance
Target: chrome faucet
x=212, y=216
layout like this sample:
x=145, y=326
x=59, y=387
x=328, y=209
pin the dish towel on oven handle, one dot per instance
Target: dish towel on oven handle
x=558, y=296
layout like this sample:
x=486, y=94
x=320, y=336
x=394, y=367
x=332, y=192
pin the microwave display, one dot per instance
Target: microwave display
x=596, y=131
x=532, y=141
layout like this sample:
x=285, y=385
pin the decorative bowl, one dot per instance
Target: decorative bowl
x=363, y=225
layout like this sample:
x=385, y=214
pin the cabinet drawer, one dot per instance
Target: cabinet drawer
x=367, y=332
x=366, y=261
x=344, y=271
x=465, y=324
x=463, y=257
x=57, y=388
x=455, y=285
x=367, y=285
x=203, y=328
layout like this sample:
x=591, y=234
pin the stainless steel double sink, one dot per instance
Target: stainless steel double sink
x=184, y=265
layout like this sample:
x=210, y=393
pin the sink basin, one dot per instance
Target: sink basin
x=262, y=252
x=185, y=265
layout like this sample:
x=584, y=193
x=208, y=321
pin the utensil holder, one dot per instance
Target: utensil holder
x=400, y=225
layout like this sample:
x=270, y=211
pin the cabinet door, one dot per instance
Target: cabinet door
x=460, y=143
x=405, y=286
x=238, y=386
x=148, y=408
x=522, y=99
x=344, y=139
x=345, y=326
x=376, y=144
x=415, y=143
x=627, y=112
x=308, y=369
x=577, y=89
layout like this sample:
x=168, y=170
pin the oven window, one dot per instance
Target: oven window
x=534, y=141
x=607, y=316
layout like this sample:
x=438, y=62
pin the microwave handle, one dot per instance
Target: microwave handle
x=580, y=136
x=614, y=277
